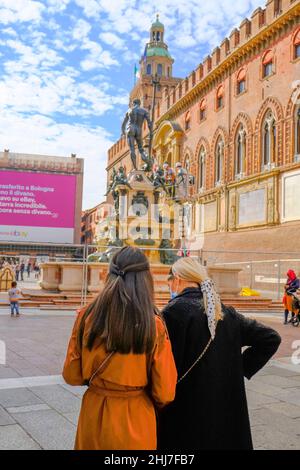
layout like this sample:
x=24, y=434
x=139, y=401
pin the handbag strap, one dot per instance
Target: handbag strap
x=102, y=366
x=196, y=361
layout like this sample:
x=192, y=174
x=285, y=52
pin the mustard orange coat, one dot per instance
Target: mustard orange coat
x=117, y=413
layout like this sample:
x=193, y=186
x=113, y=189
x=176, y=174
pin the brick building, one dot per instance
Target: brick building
x=90, y=220
x=234, y=123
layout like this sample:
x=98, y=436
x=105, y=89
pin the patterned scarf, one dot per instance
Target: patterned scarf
x=212, y=305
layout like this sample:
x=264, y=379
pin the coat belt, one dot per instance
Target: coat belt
x=105, y=392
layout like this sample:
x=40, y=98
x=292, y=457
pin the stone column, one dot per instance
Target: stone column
x=71, y=277
x=50, y=273
x=97, y=275
x=226, y=280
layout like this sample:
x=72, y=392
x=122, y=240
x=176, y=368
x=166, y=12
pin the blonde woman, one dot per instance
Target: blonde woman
x=210, y=409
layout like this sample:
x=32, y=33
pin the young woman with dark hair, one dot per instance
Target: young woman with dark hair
x=120, y=348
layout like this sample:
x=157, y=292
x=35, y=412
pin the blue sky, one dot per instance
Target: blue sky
x=66, y=69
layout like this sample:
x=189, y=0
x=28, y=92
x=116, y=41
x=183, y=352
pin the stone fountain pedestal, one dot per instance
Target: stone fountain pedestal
x=68, y=277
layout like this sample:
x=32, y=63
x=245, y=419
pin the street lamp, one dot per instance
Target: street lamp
x=155, y=81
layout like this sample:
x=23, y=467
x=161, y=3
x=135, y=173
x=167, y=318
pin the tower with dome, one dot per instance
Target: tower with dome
x=156, y=60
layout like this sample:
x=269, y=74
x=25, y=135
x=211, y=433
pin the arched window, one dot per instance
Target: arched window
x=187, y=121
x=219, y=157
x=159, y=70
x=297, y=134
x=277, y=7
x=187, y=164
x=268, y=64
x=241, y=81
x=202, y=159
x=169, y=72
x=220, y=97
x=296, y=46
x=240, y=151
x=269, y=141
x=203, y=109
x=148, y=69
x=158, y=36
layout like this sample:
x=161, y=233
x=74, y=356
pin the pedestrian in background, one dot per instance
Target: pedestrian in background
x=22, y=269
x=14, y=296
x=28, y=269
x=291, y=286
x=37, y=271
x=120, y=348
x=17, y=271
x=210, y=410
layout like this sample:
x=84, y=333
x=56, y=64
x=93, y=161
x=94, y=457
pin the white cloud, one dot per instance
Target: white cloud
x=97, y=58
x=12, y=11
x=39, y=56
x=113, y=40
x=91, y=8
x=55, y=6
x=81, y=30
x=41, y=135
x=188, y=24
x=10, y=32
x=52, y=93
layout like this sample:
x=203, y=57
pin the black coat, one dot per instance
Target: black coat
x=210, y=409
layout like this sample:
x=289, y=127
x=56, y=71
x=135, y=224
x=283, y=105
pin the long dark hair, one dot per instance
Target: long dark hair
x=122, y=316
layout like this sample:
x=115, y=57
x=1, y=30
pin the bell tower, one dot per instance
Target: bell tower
x=156, y=60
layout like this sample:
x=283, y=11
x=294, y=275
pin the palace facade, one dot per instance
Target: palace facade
x=234, y=123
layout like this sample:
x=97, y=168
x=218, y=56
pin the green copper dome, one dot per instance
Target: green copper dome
x=158, y=52
x=157, y=23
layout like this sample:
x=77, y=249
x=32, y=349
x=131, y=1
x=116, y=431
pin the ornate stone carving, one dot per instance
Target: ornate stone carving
x=233, y=213
x=271, y=204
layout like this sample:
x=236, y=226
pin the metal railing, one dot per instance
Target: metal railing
x=264, y=272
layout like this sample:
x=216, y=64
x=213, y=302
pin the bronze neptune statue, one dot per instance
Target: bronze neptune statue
x=132, y=126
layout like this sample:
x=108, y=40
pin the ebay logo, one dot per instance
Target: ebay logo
x=15, y=233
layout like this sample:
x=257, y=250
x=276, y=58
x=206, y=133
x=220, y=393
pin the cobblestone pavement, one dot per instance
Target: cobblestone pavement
x=39, y=411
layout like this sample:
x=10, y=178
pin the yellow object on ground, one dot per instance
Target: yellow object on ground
x=247, y=292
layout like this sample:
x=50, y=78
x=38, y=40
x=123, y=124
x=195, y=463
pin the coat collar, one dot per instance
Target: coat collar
x=191, y=292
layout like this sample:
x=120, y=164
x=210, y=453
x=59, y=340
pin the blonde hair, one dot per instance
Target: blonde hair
x=189, y=269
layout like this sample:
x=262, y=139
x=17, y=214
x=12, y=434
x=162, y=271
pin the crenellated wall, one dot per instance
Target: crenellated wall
x=240, y=42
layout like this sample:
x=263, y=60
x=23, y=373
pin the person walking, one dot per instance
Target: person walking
x=120, y=348
x=14, y=296
x=37, y=270
x=210, y=409
x=292, y=285
x=28, y=269
x=17, y=271
x=22, y=269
